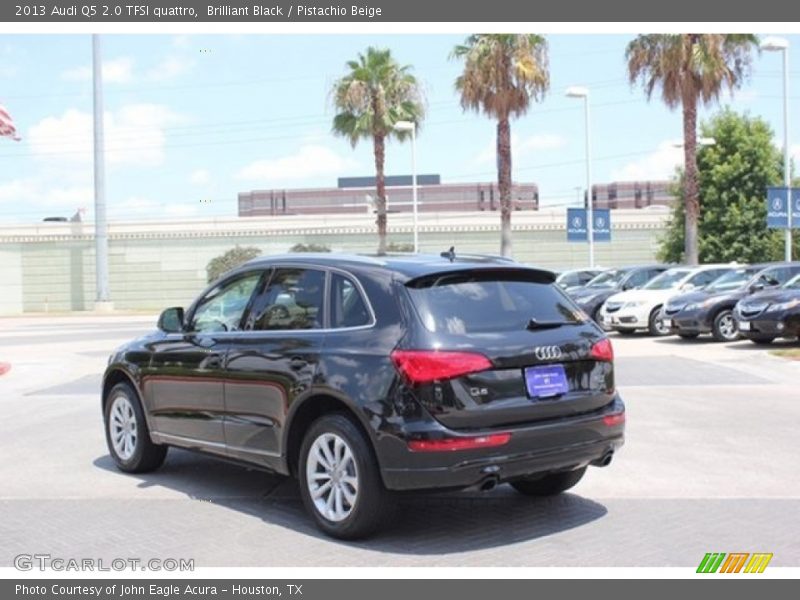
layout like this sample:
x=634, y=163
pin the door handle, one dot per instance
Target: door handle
x=296, y=363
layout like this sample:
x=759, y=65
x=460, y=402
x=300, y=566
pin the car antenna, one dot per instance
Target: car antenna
x=450, y=254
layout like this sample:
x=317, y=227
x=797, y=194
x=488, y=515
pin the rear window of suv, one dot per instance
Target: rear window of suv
x=464, y=303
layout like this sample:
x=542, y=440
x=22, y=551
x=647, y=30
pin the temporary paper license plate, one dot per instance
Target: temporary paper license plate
x=546, y=381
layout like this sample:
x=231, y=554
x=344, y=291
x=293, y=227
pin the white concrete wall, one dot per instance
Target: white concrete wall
x=50, y=266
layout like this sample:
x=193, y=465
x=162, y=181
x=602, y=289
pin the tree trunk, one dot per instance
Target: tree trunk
x=504, y=183
x=691, y=192
x=379, y=143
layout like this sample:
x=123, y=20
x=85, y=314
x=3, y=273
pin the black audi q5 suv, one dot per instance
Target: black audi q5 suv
x=362, y=377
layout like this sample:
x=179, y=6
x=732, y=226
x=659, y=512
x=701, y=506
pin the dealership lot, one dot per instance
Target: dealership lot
x=710, y=464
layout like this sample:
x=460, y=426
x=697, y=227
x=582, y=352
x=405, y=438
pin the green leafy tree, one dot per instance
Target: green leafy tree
x=503, y=74
x=689, y=69
x=231, y=259
x=370, y=99
x=733, y=175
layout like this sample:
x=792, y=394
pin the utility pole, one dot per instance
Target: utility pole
x=103, y=297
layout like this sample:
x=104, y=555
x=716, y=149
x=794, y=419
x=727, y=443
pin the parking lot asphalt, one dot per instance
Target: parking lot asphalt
x=710, y=465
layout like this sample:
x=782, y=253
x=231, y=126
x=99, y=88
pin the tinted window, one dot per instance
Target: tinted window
x=348, y=308
x=732, y=280
x=638, y=279
x=293, y=299
x=466, y=303
x=223, y=307
x=609, y=279
x=667, y=280
x=793, y=284
x=703, y=278
x=778, y=276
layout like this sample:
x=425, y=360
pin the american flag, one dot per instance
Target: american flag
x=7, y=128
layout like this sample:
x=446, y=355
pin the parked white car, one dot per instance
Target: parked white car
x=641, y=309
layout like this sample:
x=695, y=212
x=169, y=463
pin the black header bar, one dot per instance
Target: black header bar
x=384, y=11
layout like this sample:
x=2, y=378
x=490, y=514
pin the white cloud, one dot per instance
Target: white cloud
x=35, y=199
x=522, y=146
x=133, y=135
x=118, y=70
x=169, y=68
x=659, y=164
x=200, y=177
x=308, y=162
x=794, y=151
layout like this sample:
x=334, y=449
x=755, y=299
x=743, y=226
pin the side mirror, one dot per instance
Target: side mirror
x=688, y=287
x=171, y=320
x=756, y=287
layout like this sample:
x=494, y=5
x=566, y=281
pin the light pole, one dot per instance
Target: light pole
x=776, y=44
x=582, y=92
x=103, y=299
x=412, y=127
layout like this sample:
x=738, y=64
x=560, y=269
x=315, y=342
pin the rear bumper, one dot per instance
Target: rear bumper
x=555, y=445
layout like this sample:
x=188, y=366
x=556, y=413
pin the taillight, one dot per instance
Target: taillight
x=459, y=443
x=615, y=419
x=424, y=366
x=602, y=350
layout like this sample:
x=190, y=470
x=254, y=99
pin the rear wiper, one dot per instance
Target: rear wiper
x=536, y=324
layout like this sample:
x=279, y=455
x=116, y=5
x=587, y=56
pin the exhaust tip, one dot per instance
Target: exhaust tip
x=489, y=484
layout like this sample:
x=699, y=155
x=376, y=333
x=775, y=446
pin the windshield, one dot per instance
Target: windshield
x=732, y=280
x=479, y=303
x=793, y=283
x=667, y=280
x=609, y=279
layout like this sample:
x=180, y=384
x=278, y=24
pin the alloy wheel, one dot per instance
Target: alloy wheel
x=727, y=327
x=332, y=477
x=123, y=427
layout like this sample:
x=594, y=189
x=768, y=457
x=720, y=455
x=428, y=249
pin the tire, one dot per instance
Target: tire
x=654, y=324
x=358, y=476
x=549, y=485
x=763, y=340
x=625, y=331
x=724, y=328
x=127, y=434
x=688, y=336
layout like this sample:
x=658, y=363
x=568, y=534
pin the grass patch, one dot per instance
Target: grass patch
x=790, y=353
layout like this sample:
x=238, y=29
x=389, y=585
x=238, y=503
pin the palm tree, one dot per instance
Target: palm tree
x=502, y=74
x=690, y=68
x=371, y=98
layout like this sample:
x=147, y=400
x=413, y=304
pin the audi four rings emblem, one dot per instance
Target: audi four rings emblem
x=547, y=352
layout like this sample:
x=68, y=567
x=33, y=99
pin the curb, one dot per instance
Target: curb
x=4, y=368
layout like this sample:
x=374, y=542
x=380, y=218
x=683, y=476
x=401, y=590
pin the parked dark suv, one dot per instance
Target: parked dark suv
x=710, y=310
x=363, y=376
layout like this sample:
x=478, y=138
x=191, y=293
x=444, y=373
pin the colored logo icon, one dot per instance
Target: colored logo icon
x=734, y=562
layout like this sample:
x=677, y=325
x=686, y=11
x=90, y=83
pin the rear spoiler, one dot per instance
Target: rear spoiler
x=473, y=273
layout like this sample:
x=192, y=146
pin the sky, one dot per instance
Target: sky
x=193, y=120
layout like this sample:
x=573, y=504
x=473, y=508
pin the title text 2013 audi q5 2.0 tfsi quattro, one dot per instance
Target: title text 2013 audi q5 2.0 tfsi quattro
x=363, y=376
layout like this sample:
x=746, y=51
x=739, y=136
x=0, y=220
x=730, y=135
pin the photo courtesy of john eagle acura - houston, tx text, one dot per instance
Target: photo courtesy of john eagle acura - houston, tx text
x=363, y=377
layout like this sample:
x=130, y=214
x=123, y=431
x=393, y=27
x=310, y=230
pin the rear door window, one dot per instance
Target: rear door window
x=479, y=303
x=348, y=307
x=293, y=299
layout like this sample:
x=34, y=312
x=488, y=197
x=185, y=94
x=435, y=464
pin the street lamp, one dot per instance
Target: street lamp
x=776, y=44
x=582, y=92
x=412, y=127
